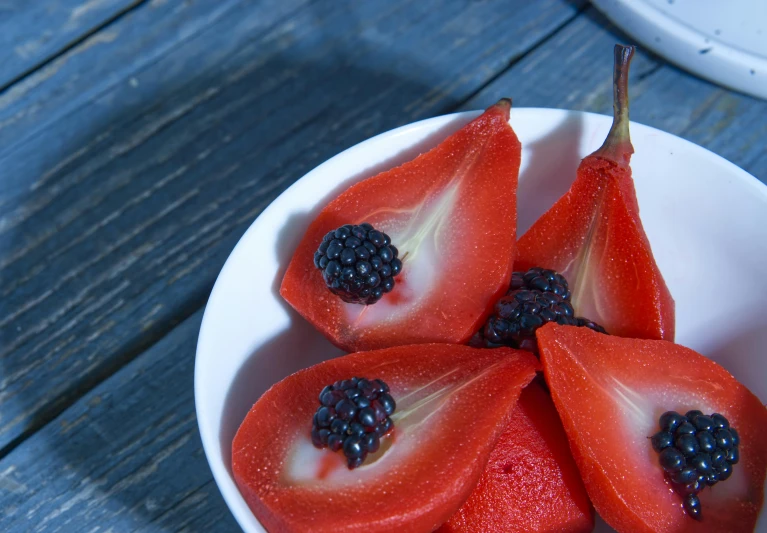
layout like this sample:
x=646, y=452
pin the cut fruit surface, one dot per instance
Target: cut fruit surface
x=594, y=236
x=453, y=403
x=531, y=483
x=610, y=392
x=451, y=213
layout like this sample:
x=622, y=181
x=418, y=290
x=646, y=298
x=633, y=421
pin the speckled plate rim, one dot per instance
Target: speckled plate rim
x=685, y=46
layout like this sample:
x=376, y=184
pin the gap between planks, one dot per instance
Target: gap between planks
x=455, y=107
x=72, y=44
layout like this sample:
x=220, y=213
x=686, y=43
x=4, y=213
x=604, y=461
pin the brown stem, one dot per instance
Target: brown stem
x=617, y=146
x=504, y=104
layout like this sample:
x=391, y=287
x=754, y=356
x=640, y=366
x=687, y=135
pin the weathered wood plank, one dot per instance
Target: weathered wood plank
x=127, y=457
x=73, y=80
x=41, y=205
x=725, y=122
x=561, y=73
x=130, y=427
x=136, y=197
x=33, y=31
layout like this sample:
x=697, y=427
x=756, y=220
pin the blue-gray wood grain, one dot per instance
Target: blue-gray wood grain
x=116, y=215
x=65, y=185
x=141, y=255
x=126, y=458
x=34, y=31
x=68, y=94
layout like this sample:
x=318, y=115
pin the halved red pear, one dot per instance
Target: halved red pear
x=593, y=235
x=452, y=214
x=610, y=393
x=452, y=403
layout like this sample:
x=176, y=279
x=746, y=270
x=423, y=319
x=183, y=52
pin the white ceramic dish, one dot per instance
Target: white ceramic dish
x=724, y=41
x=706, y=220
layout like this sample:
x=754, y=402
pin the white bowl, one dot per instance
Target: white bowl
x=706, y=220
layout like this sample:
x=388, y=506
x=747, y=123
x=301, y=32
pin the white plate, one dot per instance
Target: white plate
x=706, y=220
x=724, y=41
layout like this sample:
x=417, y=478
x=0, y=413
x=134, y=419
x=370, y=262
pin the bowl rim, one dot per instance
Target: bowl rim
x=210, y=439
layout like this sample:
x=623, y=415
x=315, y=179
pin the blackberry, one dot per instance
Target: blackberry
x=353, y=416
x=521, y=312
x=534, y=298
x=696, y=451
x=358, y=263
x=518, y=314
x=586, y=323
x=692, y=506
x=541, y=279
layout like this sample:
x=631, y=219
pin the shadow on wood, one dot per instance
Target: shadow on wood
x=135, y=209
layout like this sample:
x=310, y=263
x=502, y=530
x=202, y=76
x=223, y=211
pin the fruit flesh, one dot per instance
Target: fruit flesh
x=452, y=405
x=531, y=483
x=451, y=212
x=610, y=392
x=594, y=236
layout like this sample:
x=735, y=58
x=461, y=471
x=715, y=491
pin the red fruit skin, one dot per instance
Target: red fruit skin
x=414, y=494
x=531, y=483
x=610, y=392
x=478, y=166
x=594, y=237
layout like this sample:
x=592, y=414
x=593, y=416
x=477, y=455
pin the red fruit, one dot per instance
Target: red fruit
x=453, y=403
x=594, y=237
x=610, y=393
x=531, y=483
x=452, y=214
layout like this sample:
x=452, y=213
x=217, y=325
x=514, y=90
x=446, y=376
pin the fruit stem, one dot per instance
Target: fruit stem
x=504, y=105
x=617, y=146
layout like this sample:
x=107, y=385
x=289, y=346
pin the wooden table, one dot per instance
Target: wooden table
x=140, y=138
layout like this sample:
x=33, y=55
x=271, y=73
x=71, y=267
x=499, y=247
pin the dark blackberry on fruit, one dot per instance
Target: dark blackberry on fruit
x=541, y=279
x=696, y=451
x=534, y=298
x=353, y=416
x=521, y=312
x=691, y=506
x=358, y=263
x=586, y=323
x=518, y=314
